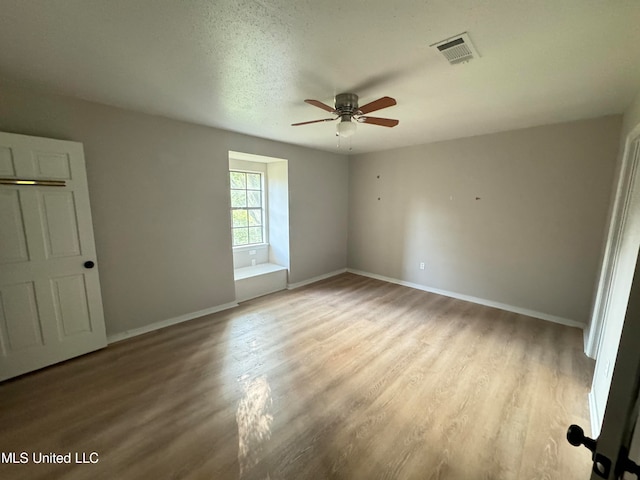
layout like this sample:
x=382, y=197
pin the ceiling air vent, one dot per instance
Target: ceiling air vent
x=457, y=49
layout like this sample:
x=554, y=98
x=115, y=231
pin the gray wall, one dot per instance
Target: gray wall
x=159, y=198
x=631, y=116
x=516, y=218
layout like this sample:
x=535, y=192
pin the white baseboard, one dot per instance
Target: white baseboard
x=291, y=286
x=587, y=350
x=117, y=337
x=480, y=301
x=594, y=417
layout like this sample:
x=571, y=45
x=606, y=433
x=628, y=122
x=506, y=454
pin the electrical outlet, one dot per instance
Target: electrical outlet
x=421, y=265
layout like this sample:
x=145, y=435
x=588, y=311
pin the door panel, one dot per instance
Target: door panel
x=13, y=242
x=60, y=229
x=6, y=162
x=52, y=165
x=21, y=328
x=51, y=307
x=70, y=303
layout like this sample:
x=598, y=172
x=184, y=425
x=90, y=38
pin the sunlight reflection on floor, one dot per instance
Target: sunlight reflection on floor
x=254, y=421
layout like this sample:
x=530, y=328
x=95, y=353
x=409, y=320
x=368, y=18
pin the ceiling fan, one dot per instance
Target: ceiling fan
x=348, y=111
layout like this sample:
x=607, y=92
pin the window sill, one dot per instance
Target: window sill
x=257, y=271
x=255, y=246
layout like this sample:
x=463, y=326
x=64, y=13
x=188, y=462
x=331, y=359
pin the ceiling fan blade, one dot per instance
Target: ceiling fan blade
x=379, y=104
x=385, y=122
x=321, y=105
x=314, y=121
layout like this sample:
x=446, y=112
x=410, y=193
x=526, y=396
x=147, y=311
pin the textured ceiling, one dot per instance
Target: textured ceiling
x=247, y=65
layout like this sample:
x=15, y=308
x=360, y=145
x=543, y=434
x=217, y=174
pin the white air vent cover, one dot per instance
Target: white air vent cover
x=457, y=49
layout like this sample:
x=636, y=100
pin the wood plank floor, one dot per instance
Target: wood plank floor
x=348, y=378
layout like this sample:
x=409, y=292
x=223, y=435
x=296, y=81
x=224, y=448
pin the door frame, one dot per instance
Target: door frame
x=611, y=258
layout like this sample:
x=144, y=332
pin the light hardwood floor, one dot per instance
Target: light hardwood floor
x=348, y=378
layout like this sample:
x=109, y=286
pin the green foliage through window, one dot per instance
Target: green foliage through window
x=247, y=212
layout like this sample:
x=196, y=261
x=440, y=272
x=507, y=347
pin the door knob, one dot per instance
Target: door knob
x=576, y=437
x=601, y=464
x=89, y=264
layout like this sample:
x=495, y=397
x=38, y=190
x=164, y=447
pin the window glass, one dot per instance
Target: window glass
x=247, y=212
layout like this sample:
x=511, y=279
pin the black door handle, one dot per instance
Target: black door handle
x=601, y=464
x=576, y=437
x=89, y=264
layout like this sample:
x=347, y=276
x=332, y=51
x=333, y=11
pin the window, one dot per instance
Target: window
x=247, y=208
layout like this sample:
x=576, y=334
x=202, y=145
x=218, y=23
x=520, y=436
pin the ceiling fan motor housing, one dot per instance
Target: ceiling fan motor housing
x=346, y=104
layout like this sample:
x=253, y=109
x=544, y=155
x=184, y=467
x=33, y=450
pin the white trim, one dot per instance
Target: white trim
x=617, y=223
x=261, y=294
x=291, y=286
x=250, y=157
x=480, y=301
x=594, y=416
x=117, y=337
x=253, y=246
x=585, y=340
x=256, y=270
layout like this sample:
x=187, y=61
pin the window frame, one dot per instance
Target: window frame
x=263, y=209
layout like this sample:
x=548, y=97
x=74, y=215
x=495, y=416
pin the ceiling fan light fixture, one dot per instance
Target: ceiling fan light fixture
x=346, y=128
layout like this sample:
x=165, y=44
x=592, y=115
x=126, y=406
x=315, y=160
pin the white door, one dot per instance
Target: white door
x=50, y=303
x=611, y=447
